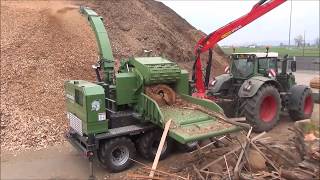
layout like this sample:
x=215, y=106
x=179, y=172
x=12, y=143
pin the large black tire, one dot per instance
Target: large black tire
x=263, y=109
x=115, y=154
x=303, y=103
x=148, y=144
x=189, y=147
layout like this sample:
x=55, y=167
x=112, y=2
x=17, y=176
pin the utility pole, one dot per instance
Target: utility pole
x=304, y=42
x=290, y=25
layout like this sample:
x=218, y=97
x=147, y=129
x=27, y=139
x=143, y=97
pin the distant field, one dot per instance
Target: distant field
x=308, y=51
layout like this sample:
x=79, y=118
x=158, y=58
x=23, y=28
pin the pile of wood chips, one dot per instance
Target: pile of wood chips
x=44, y=43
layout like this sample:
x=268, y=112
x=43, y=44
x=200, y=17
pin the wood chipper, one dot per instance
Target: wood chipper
x=125, y=109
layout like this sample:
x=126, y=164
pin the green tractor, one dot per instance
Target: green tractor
x=125, y=110
x=260, y=85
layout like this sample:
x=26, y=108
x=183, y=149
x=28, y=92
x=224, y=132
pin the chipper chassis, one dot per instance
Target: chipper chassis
x=124, y=112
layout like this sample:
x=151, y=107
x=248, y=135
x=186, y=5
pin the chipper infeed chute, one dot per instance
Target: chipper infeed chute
x=192, y=119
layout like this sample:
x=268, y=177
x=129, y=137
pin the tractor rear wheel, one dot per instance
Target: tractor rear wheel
x=148, y=145
x=303, y=103
x=115, y=154
x=263, y=109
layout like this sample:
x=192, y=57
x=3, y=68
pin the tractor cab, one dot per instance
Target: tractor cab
x=246, y=65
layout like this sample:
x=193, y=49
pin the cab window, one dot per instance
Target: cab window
x=264, y=64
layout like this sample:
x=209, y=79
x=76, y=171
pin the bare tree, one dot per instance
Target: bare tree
x=299, y=40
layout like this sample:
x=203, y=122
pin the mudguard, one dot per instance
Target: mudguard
x=222, y=82
x=295, y=94
x=250, y=87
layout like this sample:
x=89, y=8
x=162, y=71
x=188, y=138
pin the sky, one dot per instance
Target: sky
x=270, y=29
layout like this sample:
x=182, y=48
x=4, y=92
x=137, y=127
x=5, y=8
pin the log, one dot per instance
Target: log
x=236, y=168
x=293, y=175
x=213, y=173
x=198, y=172
x=225, y=160
x=222, y=117
x=269, y=161
x=220, y=158
x=278, y=154
x=163, y=139
x=315, y=83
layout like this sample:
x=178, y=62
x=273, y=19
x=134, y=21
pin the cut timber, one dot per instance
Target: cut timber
x=198, y=172
x=163, y=138
x=266, y=158
x=256, y=161
x=244, y=148
x=315, y=82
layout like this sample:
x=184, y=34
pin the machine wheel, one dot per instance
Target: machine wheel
x=189, y=147
x=263, y=109
x=148, y=145
x=304, y=106
x=115, y=154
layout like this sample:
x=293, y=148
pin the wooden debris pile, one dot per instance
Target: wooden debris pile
x=257, y=157
x=306, y=141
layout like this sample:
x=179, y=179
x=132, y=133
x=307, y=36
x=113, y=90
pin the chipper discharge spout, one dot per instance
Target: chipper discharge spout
x=126, y=109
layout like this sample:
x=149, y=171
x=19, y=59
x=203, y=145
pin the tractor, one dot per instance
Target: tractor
x=252, y=85
x=259, y=86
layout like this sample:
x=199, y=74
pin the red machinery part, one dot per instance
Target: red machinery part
x=308, y=106
x=268, y=109
x=207, y=42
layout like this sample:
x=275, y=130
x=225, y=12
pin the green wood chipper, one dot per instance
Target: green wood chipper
x=125, y=109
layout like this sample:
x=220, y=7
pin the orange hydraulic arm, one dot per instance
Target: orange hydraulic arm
x=208, y=42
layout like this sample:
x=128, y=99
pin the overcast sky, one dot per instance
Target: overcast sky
x=270, y=29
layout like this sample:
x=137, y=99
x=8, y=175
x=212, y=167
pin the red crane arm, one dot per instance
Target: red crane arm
x=207, y=42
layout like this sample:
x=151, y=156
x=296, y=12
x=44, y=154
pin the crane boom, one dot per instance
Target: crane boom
x=209, y=41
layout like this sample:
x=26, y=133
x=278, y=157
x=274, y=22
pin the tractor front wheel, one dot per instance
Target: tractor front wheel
x=115, y=154
x=263, y=109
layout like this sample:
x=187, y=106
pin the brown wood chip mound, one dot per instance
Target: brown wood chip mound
x=45, y=43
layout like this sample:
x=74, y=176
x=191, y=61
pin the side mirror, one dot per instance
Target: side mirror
x=293, y=66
